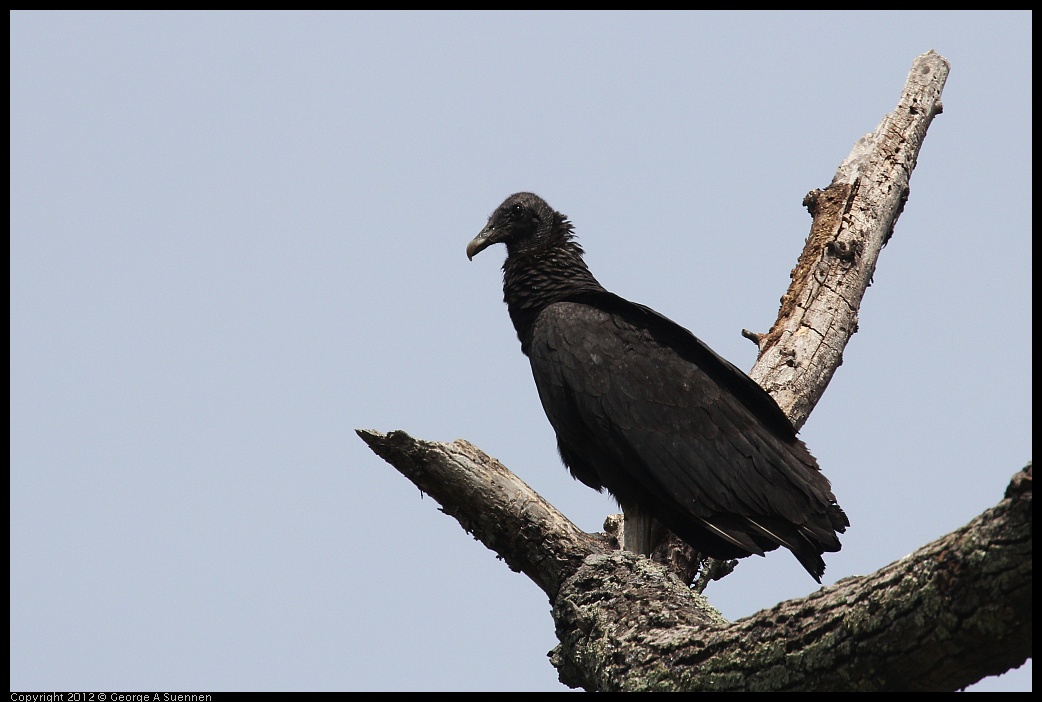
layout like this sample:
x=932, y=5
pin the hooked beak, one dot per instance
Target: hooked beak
x=484, y=239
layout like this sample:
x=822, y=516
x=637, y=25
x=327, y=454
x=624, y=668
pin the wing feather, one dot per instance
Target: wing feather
x=640, y=417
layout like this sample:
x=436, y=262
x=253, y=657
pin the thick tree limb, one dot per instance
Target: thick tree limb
x=953, y=612
x=942, y=618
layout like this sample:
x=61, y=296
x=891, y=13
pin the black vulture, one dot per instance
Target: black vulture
x=644, y=409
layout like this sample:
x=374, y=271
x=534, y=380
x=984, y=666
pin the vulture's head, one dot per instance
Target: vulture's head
x=523, y=222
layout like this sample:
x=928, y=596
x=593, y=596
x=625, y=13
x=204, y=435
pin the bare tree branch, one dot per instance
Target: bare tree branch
x=956, y=610
x=854, y=217
x=493, y=504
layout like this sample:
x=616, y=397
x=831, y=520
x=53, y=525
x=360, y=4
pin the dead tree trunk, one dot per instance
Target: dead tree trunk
x=956, y=610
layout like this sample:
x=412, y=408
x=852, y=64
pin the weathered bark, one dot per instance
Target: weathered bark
x=854, y=217
x=956, y=610
x=493, y=504
x=942, y=618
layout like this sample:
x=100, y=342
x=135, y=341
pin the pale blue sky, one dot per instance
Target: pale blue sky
x=237, y=237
